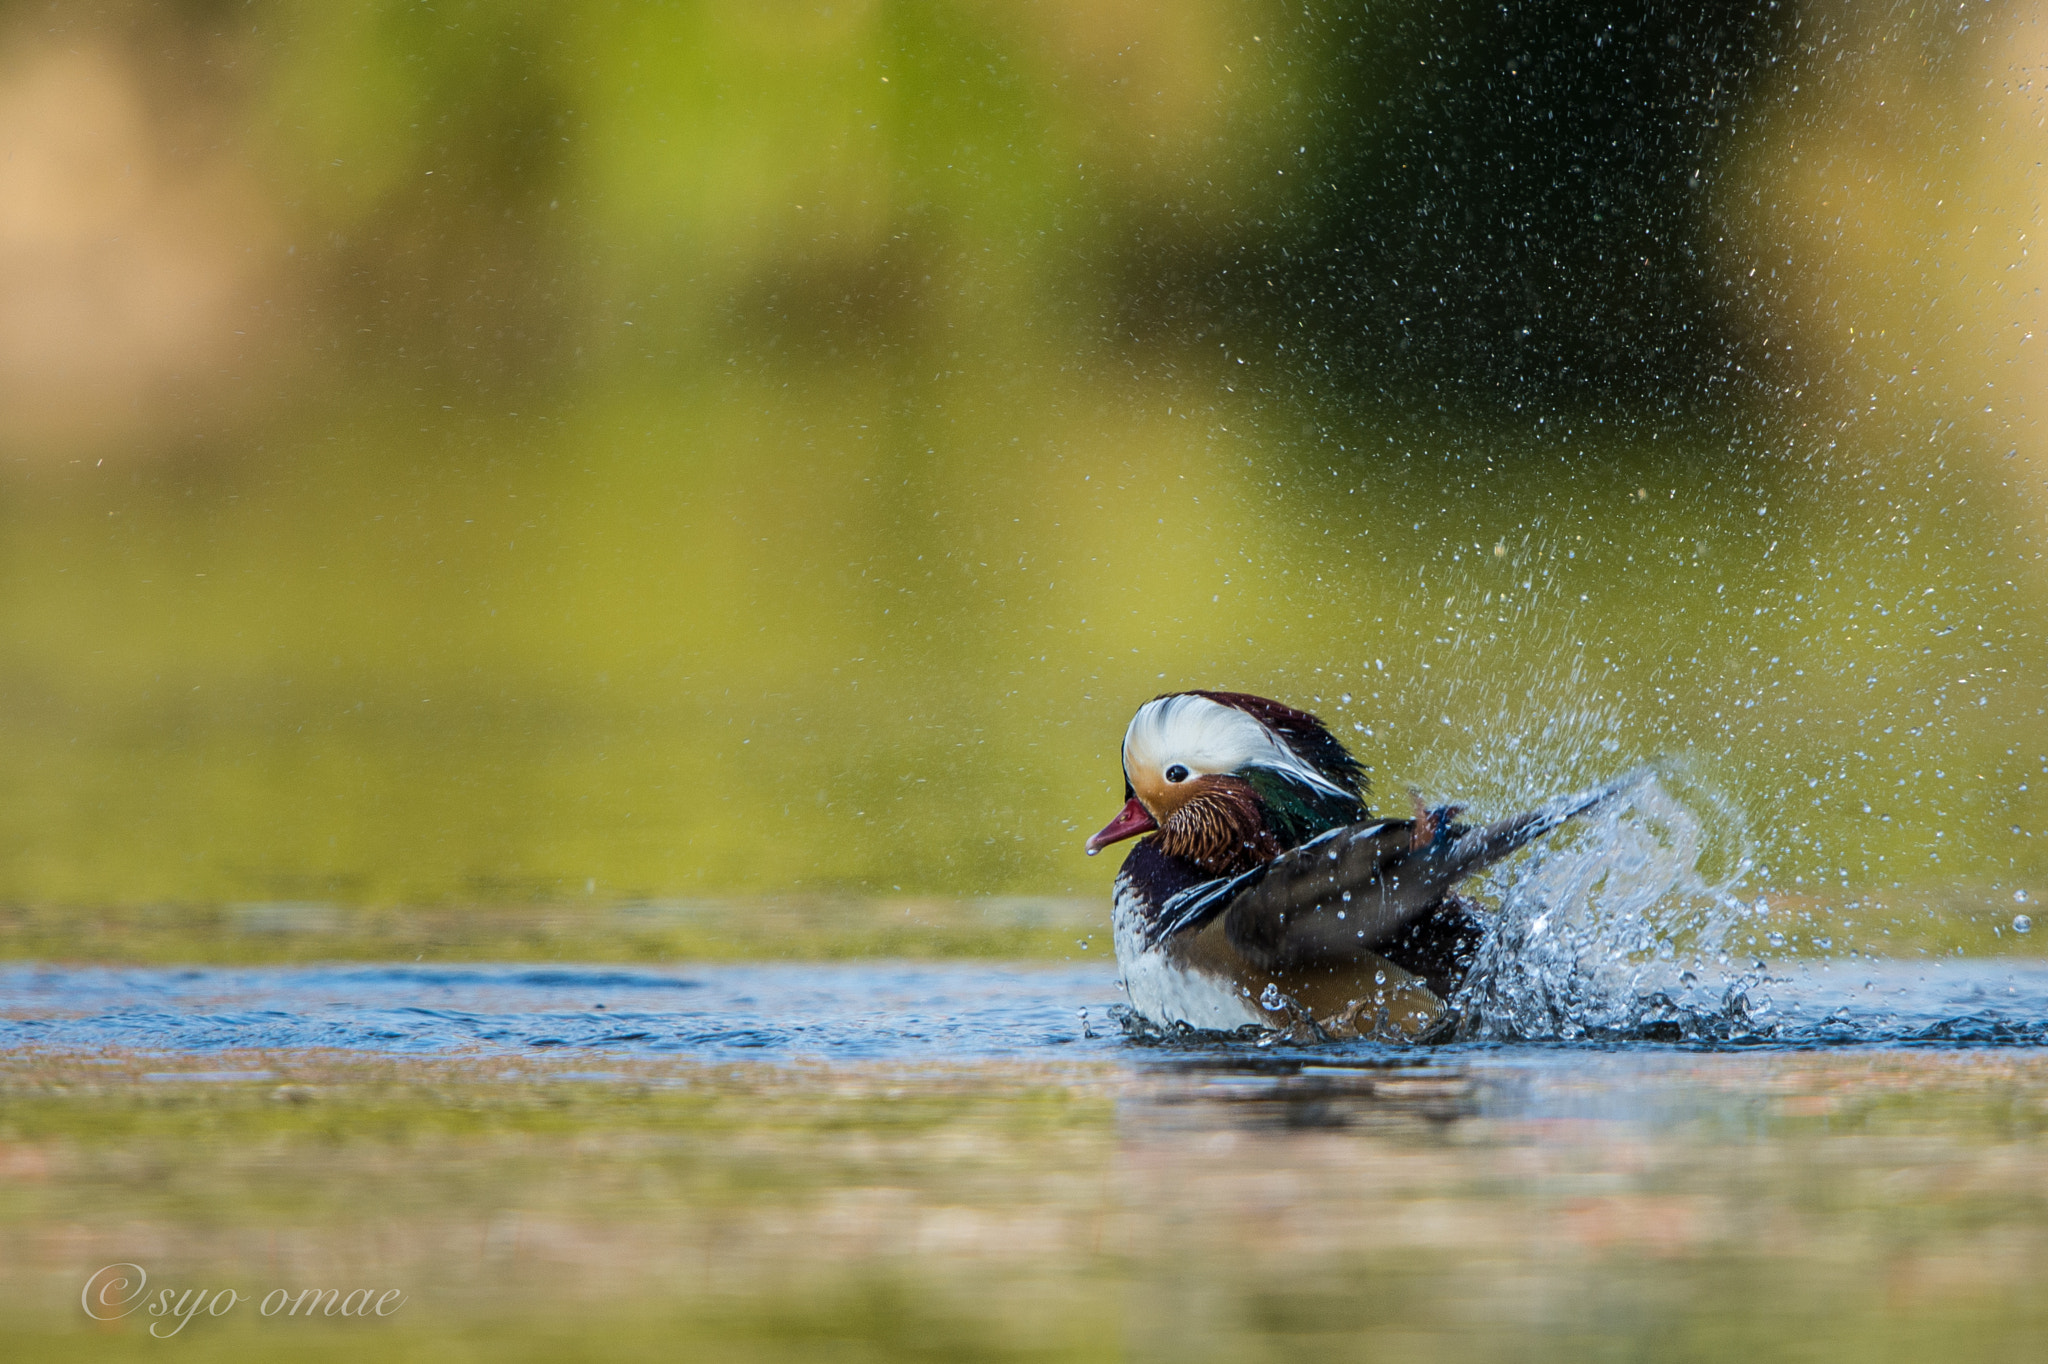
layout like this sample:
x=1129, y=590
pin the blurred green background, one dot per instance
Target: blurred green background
x=486, y=454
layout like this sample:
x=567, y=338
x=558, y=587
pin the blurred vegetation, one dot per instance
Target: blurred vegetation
x=496, y=454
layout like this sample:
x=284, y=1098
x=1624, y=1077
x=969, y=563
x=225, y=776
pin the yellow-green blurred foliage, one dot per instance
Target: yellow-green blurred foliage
x=493, y=452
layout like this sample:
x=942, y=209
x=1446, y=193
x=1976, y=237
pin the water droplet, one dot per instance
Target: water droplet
x=2022, y=924
x=1379, y=977
x=2019, y=897
x=1775, y=939
x=1269, y=998
x=1824, y=944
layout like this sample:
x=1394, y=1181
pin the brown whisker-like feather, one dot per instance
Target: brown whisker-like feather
x=1219, y=828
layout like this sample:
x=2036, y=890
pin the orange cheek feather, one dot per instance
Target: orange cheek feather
x=1161, y=797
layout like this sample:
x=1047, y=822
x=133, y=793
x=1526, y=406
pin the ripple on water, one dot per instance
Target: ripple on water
x=886, y=1010
x=876, y=1009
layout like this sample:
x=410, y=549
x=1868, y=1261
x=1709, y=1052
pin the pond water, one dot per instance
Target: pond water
x=936, y=1161
x=883, y=1011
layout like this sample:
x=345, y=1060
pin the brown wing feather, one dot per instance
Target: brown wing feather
x=1288, y=917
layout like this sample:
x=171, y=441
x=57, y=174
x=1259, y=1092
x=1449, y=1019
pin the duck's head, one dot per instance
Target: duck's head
x=1228, y=780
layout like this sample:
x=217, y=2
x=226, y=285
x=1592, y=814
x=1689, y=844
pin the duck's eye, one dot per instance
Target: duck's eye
x=1176, y=773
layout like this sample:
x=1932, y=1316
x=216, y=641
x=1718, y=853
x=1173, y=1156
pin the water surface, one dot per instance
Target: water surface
x=881, y=1162
x=904, y=1012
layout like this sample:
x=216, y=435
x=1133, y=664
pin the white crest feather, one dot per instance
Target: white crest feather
x=1208, y=738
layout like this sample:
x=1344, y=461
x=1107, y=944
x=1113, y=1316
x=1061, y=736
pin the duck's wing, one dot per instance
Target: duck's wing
x=1380, y=877
x=1355, y=888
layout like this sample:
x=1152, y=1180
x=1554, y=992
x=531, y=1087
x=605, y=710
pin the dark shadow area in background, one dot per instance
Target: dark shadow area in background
x=1506, y=210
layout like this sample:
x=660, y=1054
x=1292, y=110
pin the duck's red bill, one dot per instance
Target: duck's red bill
x=1131, y=821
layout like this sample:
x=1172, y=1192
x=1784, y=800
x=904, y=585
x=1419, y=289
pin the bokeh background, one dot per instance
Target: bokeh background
x=479, y=454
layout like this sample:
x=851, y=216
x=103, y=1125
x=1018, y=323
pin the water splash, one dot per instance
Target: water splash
x=1619, y=928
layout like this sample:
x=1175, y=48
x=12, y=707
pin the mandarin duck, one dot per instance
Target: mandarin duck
x=1267, y=894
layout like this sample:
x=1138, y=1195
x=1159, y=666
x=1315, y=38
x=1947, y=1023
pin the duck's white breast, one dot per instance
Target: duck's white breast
x=1165, y=991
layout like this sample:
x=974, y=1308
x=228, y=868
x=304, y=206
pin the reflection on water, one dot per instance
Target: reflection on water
x=1479, y=1203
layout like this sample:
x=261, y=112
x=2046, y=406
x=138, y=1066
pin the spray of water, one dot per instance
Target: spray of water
x=1620, y=927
